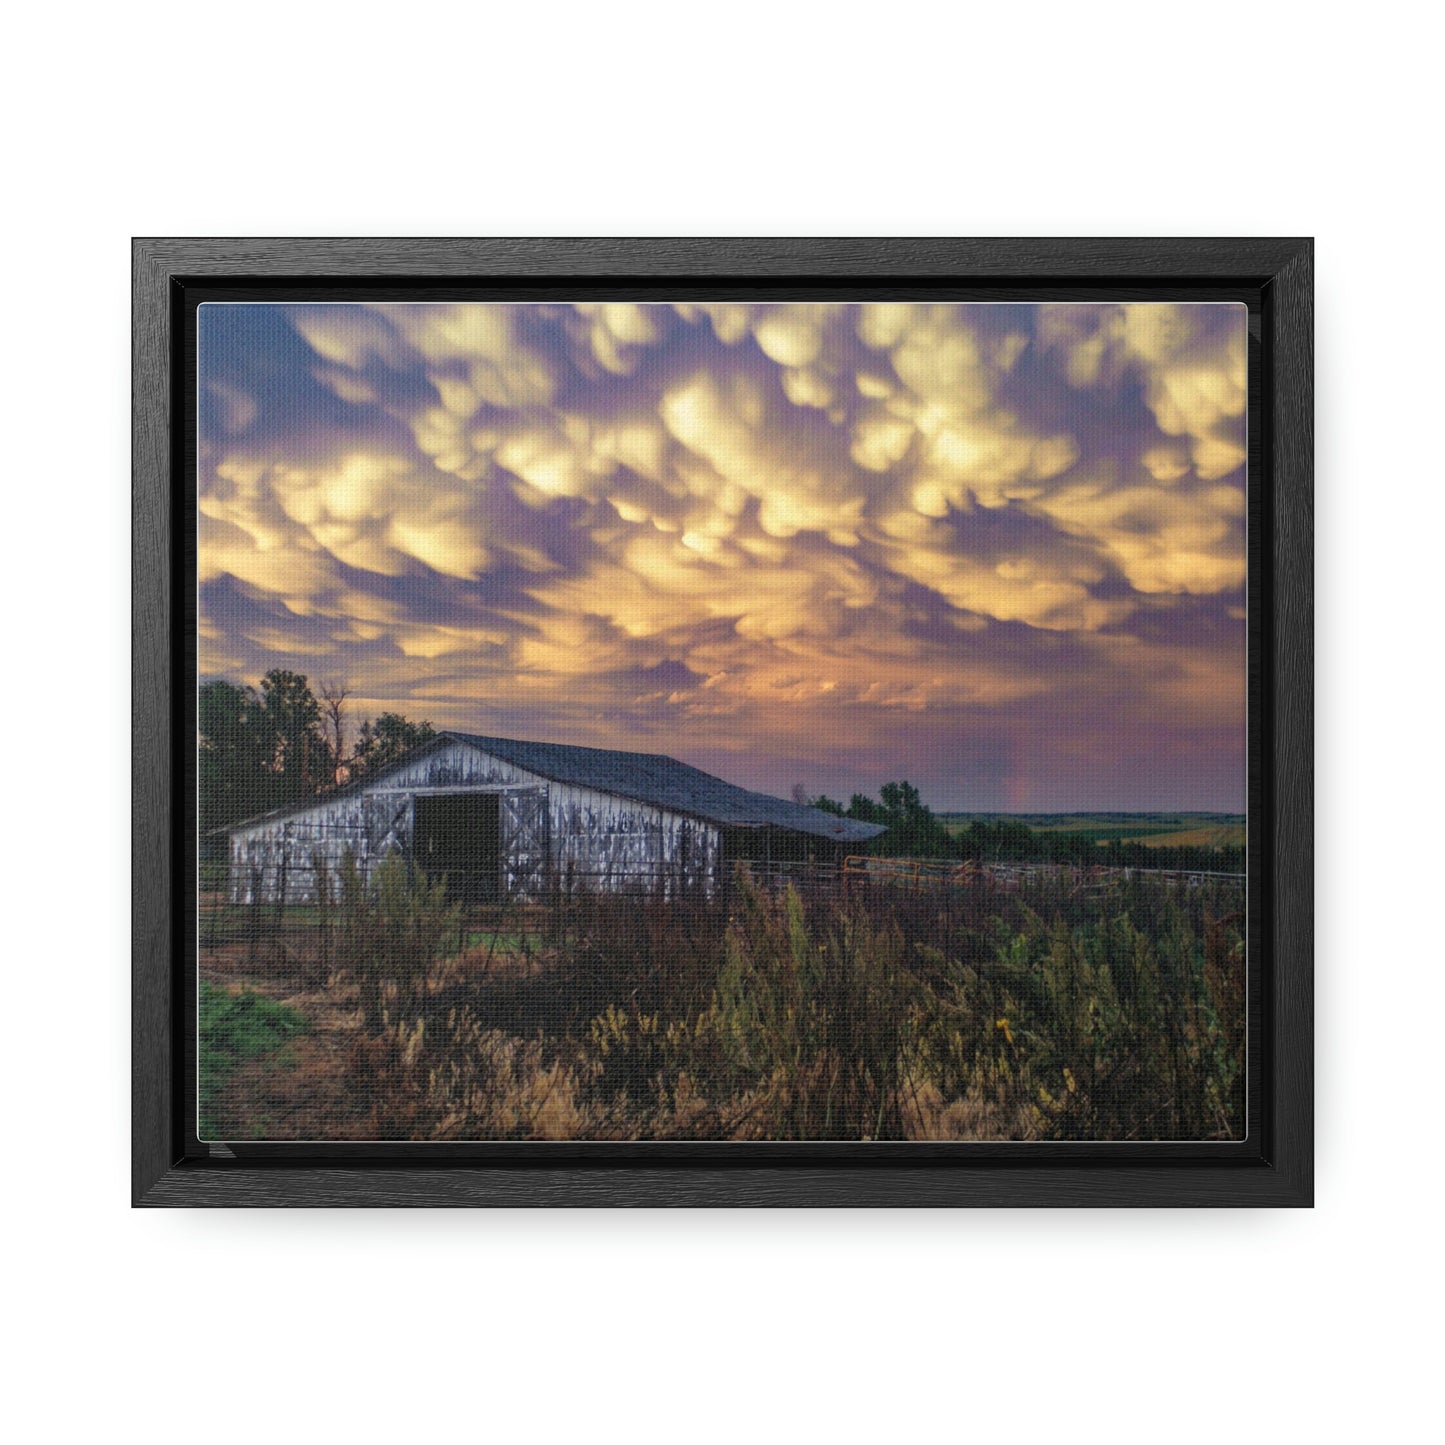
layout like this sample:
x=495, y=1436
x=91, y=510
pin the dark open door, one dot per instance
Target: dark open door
x=459, y=837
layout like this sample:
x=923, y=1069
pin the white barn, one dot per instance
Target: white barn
x=501, y=818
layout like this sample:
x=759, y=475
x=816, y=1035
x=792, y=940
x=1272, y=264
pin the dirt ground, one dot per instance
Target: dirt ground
x=302, y=1090
x=308, y=1089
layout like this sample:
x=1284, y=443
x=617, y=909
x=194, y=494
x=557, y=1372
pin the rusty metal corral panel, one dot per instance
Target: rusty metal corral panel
x=554, y=835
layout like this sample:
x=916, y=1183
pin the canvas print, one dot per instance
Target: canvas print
x=732, y=721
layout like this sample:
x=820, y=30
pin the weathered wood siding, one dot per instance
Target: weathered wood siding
x=278, y=861
x=554, y=835
x=608, y=843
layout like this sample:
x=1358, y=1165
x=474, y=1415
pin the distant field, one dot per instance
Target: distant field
x=1155, y=830
x=1221, y=835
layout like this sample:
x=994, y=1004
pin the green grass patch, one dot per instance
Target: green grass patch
x=235, y=1027
x=502, y=942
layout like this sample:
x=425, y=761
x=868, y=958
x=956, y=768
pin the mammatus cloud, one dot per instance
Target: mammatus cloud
x=827, y=537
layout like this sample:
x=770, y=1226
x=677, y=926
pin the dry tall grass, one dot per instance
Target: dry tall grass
x=1046, y=1013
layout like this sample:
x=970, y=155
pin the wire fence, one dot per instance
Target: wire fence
x=920, y=874
x=298, y=918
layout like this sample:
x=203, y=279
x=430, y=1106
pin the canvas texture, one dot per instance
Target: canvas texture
x=736, y=721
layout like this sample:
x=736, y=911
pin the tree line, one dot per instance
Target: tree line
x=280, y=744
x=915, y=831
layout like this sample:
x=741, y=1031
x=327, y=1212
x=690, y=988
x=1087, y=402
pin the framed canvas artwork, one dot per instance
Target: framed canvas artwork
x=749, y=722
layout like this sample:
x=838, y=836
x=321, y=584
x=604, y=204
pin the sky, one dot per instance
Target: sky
x=997, y=551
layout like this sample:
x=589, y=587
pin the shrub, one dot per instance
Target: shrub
x=817, y=1018
x=391, y=928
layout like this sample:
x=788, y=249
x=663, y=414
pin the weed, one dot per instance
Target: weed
x=392, y=926
x=1052, y=1009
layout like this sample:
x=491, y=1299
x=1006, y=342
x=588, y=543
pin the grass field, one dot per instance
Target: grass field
x=1155, y=830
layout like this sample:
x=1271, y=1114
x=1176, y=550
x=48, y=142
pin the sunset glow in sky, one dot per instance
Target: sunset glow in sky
x=995, y=550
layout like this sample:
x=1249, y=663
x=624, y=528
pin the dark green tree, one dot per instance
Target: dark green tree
x=300, y=759
x=277, y=745
x=913, y=829
x=234, y=751
x=381, y=743
x=257, y=750
x=1001, y=840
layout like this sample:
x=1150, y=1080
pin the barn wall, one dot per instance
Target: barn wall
x=608, y=843
x=272, y=859
x=278, y=860
x=553, y=834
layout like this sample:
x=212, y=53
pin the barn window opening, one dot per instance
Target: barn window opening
x=459, y=838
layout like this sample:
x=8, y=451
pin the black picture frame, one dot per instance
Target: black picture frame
x=1273, y=1166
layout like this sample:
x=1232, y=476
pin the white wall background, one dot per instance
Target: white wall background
x=750, y=118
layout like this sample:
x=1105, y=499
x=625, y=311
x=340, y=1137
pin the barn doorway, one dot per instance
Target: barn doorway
x=459, y=837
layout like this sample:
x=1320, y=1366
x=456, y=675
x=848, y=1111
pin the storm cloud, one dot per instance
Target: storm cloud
x=998, y=551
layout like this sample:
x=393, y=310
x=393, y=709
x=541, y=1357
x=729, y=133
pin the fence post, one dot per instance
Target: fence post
x=323, y=903
x=253, y=920
x=281, y=881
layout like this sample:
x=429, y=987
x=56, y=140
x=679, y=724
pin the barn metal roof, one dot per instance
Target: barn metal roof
x=664, y=782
